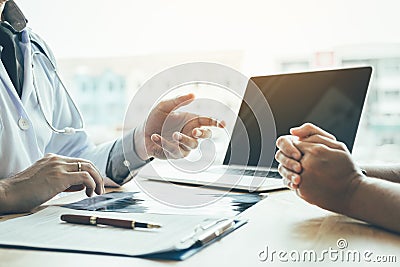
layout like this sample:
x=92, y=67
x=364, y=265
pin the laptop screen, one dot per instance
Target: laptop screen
x=332, y=100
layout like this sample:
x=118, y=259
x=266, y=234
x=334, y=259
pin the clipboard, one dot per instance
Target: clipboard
x=209, y=238
x=182, y=236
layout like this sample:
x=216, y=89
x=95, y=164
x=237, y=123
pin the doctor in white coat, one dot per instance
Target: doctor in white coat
x=44, y=148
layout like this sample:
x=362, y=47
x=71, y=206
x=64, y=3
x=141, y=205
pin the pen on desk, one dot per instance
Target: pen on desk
x=93, y=220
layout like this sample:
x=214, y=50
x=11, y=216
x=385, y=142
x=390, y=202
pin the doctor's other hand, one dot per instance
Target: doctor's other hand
x=46, y=178
x=289, y=156
x=168, y=133
x=329, y=176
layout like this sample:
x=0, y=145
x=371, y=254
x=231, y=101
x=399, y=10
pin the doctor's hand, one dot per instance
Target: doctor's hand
x=45, y=179
x=171, y=134
x=289, y=156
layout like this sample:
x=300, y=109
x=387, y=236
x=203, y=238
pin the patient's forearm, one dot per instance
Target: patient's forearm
x=378, y=202
x=386, y=172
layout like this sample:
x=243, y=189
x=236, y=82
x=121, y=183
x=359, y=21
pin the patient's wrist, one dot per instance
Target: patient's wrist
x=353, y=195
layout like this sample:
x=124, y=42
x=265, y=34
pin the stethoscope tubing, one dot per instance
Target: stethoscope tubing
x=66, y=130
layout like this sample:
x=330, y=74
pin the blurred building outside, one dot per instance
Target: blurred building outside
x=104, y=87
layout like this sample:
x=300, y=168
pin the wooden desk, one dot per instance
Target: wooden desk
x=282, y=222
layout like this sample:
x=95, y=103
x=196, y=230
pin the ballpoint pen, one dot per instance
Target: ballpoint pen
x=94, y=220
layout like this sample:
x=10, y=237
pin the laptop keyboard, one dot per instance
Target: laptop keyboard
x=267, y=174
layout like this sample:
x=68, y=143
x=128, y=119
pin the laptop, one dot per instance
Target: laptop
x=330, y=99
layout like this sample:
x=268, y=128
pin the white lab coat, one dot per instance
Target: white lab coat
x=21, y=148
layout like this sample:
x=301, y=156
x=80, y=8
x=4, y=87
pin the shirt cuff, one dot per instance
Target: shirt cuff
x=122, y=167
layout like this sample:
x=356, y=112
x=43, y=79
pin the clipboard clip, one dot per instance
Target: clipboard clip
x=205, y=234
x=216, y=231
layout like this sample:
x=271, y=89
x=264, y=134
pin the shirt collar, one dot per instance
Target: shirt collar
x=14, y=17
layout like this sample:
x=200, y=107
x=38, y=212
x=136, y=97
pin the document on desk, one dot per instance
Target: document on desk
x=224, y=204
x=45, y=230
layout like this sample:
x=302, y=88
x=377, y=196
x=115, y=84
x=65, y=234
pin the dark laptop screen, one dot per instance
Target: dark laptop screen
x=332, y=100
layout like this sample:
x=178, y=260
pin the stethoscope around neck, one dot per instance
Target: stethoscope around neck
x=66, y=130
